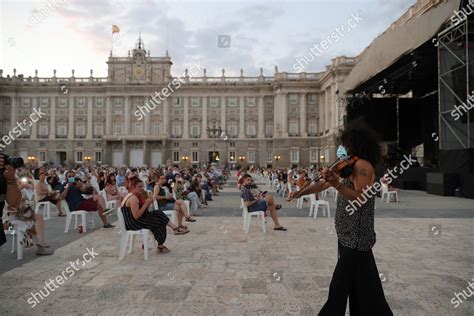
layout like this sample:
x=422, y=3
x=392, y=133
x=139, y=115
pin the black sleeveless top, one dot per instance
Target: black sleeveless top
x=354, y=223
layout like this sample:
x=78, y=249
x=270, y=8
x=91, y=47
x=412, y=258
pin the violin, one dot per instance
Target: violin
x=343, y=167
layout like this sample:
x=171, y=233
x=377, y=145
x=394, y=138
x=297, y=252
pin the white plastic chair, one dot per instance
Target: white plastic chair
x=108, y=204
x=123, y=190
x=126, y=234
x=76, y=213
x=300, y=200
x=386, y=191
x=187, y=204
x=315, y=204
x=43, y=207
x=171, y=214
x=17, y=240
x=248, y=215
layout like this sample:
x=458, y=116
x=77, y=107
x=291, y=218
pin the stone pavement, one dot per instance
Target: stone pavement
x=219, y=270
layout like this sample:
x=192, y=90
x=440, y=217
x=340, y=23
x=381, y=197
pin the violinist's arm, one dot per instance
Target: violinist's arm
x=310, y=189
x=362, y=177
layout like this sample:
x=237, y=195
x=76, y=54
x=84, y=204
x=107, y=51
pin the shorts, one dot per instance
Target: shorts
x=167, y=207
x=259, y=206
x=87, y=205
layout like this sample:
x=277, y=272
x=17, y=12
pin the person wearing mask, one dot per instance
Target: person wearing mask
x=166, y=202
x=72, y=193
x=356, y=275
x=137, y=216
x=45, y=194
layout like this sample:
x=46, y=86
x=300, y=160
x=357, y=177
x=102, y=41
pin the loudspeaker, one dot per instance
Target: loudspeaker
x=439, y=183
x=467, y=185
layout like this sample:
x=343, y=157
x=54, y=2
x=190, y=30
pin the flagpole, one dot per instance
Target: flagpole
x=112, y=44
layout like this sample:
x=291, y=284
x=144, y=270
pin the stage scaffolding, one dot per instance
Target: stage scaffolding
x=456, y=85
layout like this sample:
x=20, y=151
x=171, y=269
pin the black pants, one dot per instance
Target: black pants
x=355, y=276
x=3, y=238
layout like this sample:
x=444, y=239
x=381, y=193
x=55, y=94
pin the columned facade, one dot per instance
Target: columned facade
x=141, y=115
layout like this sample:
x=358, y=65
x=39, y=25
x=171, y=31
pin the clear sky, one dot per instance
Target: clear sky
x=76, y=34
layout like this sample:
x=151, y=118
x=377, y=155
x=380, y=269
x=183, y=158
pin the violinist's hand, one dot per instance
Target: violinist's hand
x=330, y=177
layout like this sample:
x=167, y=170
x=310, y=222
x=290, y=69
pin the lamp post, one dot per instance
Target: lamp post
x=214, y=132
x=185, y=159
x=321, y=160
x=276, y=158
x=31, y=159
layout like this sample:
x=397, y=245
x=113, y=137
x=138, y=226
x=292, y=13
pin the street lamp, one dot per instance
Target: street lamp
x=31, y=159
x=276, y=157
x=87, y=158
x=214, y=133
x=241, y=158
x=185, y=159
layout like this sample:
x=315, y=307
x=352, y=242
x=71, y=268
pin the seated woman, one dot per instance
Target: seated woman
x=43, y=193
x=167, y=203
x=32, y=227
x=136, y=215
x=112, y=190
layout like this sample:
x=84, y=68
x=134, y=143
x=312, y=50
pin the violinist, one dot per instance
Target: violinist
x=356, y=275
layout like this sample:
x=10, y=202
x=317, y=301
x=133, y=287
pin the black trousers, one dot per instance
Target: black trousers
x=3, y=238
x=355, y=276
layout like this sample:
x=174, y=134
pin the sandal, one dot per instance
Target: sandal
x=180, y=231
x=162, y=249
x=190, y=219
x=183, y=227
x=280, y=228
x=278, y=206
x=61, y=215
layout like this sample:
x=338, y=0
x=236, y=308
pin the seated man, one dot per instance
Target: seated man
x=72, y=193
x=259, y=203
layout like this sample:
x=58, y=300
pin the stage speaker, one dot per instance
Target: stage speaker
x=467, y=185
x=439, y=183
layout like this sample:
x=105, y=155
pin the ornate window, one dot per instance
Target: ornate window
x=232, y=128
x=232, y=101
x=295, y=156
x=214, y=101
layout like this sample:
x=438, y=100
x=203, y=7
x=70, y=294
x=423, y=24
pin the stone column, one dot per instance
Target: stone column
x=186, y=118
x=303, y=119
x=204, y=118
x=223, y=114
x=70, y=131
x=284, y=122
x=261, y=117
x=34, y=126
x=166, y=116
x=241, y=117
x=14, y=111
x=52, y=118
x=108, y=116
x=89, y=118
x=127, y=109
x=146, y=130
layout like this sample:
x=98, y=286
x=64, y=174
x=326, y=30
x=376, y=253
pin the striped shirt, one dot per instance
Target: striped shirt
x=247, y=194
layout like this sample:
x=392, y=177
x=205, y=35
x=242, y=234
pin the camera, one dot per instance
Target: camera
x=15, y=162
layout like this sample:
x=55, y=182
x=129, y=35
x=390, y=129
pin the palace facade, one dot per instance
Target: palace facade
x=284, y=120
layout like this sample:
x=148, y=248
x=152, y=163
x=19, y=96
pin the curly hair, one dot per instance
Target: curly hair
x=362, y=141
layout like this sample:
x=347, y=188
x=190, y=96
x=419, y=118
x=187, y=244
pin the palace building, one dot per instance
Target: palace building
x=284, y=120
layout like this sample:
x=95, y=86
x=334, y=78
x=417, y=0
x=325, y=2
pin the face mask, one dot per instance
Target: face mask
x=341, y=151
